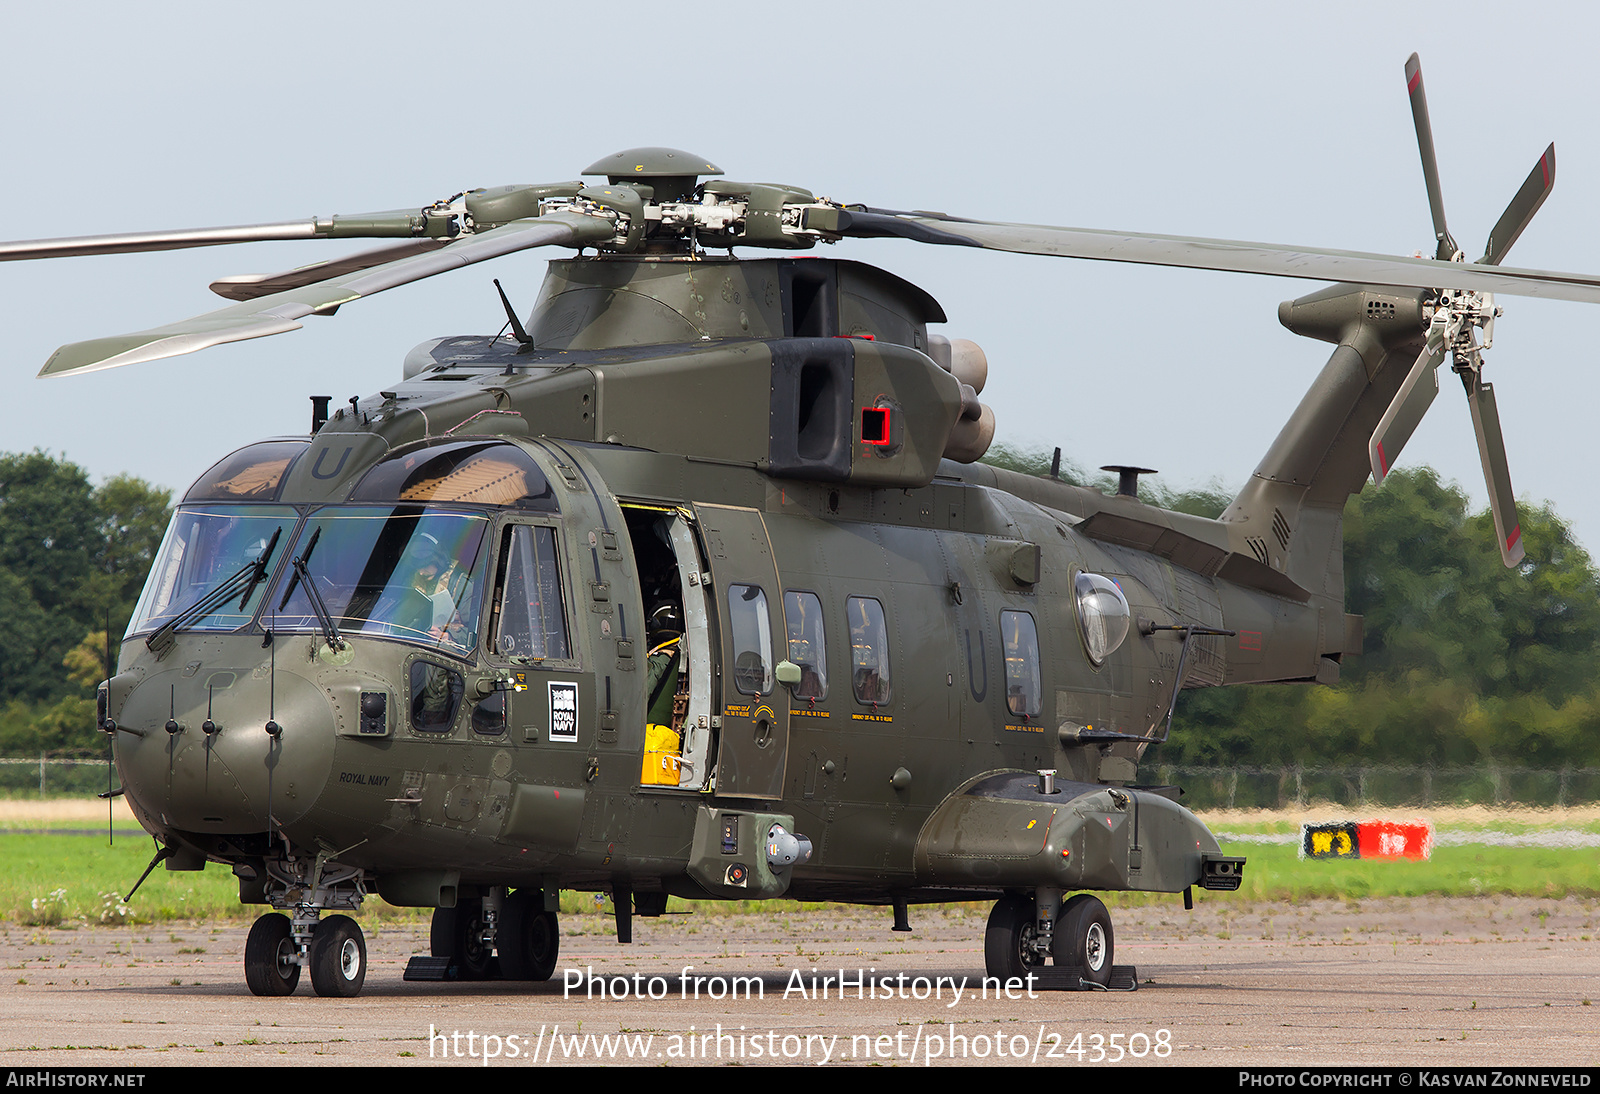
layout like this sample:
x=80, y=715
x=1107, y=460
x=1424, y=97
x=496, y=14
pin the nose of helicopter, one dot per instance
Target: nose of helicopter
x=200, y=753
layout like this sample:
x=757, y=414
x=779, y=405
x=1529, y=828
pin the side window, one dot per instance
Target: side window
x=1021, y=638
x=435, y=697
x=869, y=651
x=808, y=648
x=531, y=623
x=752, y=639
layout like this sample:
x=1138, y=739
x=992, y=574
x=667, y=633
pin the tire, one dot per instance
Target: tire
x=1007, y=944
x=338, y=958
x=529, y=938
x=271, y=959
x=457, y=933
x=1083, y=941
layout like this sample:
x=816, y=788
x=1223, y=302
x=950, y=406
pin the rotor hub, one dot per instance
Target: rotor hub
x=673, y=173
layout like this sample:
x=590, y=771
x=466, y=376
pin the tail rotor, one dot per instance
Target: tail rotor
x=1457, y=317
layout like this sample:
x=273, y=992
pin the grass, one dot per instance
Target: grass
x=1276, y=872
x=52, y=881
x=66, y=880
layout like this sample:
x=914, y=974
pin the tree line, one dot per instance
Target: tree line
x=73, y=558
x=1464, y=660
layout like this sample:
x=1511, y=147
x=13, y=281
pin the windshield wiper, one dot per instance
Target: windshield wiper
x=260, y=568
x=303, y=576
x=247, y=578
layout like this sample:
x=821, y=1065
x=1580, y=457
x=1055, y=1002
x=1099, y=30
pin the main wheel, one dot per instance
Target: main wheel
x=1008, y=951
x=1083, y=942
x=271, y=959
x=529, y=938
x=457, y=933
x=338, y=958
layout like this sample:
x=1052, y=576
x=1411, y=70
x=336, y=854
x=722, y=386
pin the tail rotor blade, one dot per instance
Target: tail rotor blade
x=1540, y=181
x=1430, y=165
x=1410, y=403
x=1496, y=473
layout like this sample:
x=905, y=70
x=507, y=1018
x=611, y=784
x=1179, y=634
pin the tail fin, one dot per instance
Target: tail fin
x=1289, y=516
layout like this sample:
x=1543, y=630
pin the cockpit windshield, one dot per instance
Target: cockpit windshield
x=404, y=571
x=206, y=548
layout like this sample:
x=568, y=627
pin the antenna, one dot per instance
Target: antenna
x=524, y=342
x=111, y=742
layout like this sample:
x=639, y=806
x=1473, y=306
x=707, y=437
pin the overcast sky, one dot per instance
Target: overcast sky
x=1276, y=122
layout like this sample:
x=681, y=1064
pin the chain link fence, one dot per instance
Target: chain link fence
x=1487, y=784
x=53, y=777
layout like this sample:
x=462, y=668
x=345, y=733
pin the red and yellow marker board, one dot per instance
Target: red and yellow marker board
x=1379, y=839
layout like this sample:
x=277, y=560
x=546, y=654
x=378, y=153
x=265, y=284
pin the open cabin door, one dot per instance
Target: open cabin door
x=753, y=744
x=677, y=607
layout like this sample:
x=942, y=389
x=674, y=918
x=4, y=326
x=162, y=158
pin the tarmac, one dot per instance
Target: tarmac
x=1426, y=982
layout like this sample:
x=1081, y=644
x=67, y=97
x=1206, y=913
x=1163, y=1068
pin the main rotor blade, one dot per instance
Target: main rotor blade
x=131, y=242
x=1430, y=165
x=1496, y=473
x=1535, y=188
x=1411, y=402
x=1231, y=255
x=255, y=286
x=281, y=311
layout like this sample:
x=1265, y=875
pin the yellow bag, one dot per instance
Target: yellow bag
x=662, y=750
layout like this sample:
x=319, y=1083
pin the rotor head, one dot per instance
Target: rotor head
x=673, y=173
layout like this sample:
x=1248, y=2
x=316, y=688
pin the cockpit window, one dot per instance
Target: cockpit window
x=532, y=625
x=402, y=571
x=206, y=548
x=254, y=473
x=470, y=472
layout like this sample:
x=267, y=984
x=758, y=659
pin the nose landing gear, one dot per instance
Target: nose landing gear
x=334, y=949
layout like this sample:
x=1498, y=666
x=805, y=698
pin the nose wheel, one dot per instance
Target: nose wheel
x=338, y=957
x=271, y=957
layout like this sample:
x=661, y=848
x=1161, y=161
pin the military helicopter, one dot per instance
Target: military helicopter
x=622, y=601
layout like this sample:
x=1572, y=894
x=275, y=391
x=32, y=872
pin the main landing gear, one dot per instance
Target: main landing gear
x=464, y=937
x=529, y=939
x=495, y=937
x=1025, y=930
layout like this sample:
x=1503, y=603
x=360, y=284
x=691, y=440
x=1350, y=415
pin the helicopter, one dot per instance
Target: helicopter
x=692, y=584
